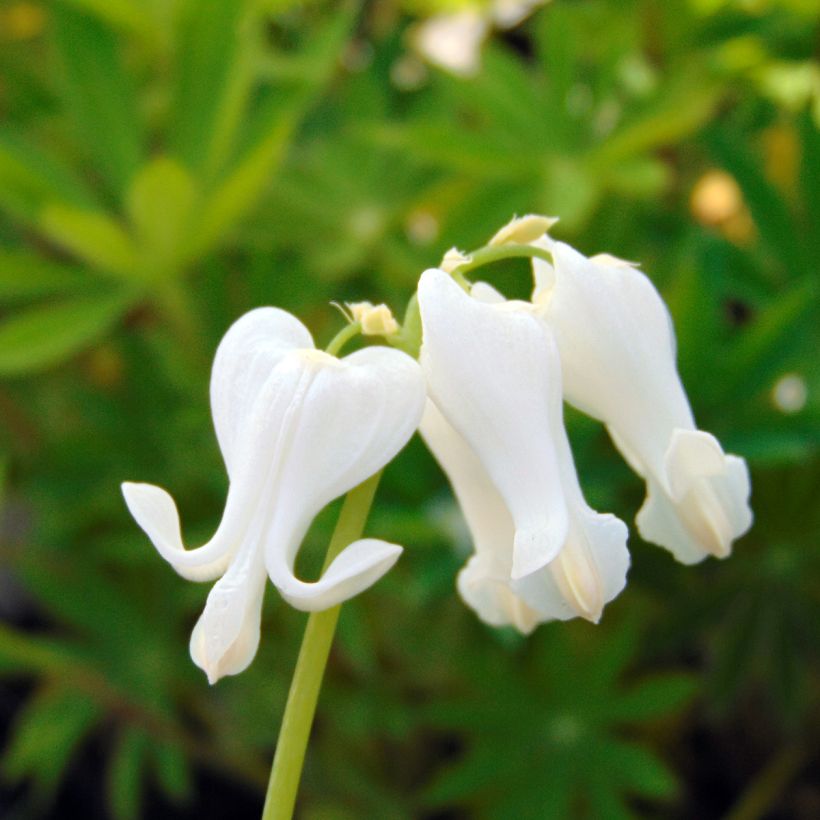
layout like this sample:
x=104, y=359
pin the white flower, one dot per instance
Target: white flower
x=453, y=40
x=494, y=377
x=617, y=348
x=297, y=428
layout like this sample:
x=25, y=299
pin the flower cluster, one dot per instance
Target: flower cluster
x=299, y=427
x=596, y=333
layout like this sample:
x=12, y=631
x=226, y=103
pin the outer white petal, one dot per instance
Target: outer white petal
x=617, y=350
x=358, y=567
x=484, y=292
x=484, y=583
x=491, y=370
x=543, y=273
x=254, y=448
x=348, y=419
x=226, y=636
x=156, y=513
x=244, y=360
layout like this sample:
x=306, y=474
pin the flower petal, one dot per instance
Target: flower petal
x=226, y=636
x=707, y=505
x=493, y=372
x=247, y=354
x=254, y=448
x=617, y=349
x=156, y=513
x=484, y=583
x=347, y=420
x=356, y=568
x=492, y=598
x=589, y=571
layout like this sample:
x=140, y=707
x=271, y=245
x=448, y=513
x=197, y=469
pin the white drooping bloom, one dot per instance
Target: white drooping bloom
x=297, y=428
x=618, y=357
x=495, y=424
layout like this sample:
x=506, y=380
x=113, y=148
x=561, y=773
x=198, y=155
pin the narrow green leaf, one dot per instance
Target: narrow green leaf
x=92, y=236
x=240, y=190
x=98, y=94
x=678, y=110
x=172, y=771
x=637, y=769
x=653, y=697
x=29, y=178
x=48, y=730
x=26, y=275
x=125, y=775
x=44, y=336
x=159, y=203
x=125, y=15
x=217, y=43
x=767, y=346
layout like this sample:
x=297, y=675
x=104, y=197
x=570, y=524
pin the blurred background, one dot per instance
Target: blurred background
x=165, y=165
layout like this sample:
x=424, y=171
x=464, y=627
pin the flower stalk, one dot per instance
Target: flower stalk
x=297, y=721
x=496, y=253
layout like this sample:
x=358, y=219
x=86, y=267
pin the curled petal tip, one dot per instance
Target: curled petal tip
x=355, y=569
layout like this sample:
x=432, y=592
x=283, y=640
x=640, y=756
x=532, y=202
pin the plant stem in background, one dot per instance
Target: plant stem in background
x=310, y=666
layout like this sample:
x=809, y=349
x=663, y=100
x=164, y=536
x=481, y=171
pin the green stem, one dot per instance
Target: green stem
x=495, y=253
x=347, y=333
x=307, y=679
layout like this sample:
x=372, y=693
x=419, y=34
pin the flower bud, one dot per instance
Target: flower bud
x=376, y=320
x=522, y=230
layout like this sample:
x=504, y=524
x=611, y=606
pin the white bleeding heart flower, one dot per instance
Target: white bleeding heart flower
x=618, y=356
x=496, y=427
x=297, y=428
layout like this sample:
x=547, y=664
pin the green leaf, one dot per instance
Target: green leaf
x=47, y=732
x=98, y=94
x=637, y=769
x=44, y=336
x=679, y=109
x=25, y=275
x=160, y=202
x=653, y=697
x=767, y=346
x=172, y=771
x=29, y=178
x=125, y=15
x=217, y=45
x=232, y=198
x=93, y=237
x=267, y=138
x=125, y=775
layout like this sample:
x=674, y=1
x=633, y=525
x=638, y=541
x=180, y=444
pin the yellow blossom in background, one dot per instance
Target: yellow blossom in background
x=717, y=202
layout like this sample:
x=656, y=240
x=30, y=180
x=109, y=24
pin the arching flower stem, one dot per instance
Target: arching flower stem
x=348, y=332
x=310, y=667
x=496, y=253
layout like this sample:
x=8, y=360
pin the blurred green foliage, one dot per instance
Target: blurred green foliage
x=166, y=165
